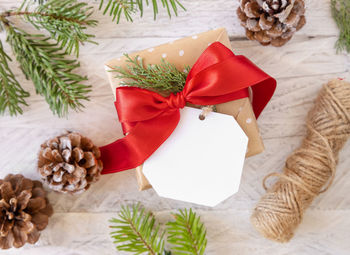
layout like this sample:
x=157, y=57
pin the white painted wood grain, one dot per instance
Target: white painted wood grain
x=301, y=67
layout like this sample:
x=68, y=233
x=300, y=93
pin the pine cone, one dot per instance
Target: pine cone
x=271, y=21
x=69, y=163
x=24, y=211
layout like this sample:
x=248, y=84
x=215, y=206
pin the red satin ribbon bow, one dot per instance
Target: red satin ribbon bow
x=148, y=118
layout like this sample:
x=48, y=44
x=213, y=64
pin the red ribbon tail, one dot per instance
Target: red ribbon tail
x=262, y=94
x=141, y=142
x=263, y=86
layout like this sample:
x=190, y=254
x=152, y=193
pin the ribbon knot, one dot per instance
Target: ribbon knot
x=218, y=76
x=176, y=101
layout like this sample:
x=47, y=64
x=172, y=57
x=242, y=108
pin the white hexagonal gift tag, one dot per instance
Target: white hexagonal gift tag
x=201, y=162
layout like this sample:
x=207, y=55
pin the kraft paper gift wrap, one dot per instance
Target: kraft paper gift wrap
x=182, y=53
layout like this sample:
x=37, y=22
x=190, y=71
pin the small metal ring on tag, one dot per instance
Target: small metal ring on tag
x=205, y=111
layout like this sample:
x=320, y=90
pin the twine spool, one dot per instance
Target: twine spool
x=310, y=170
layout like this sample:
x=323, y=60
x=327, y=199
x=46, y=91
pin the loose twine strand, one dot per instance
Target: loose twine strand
x=310, y=170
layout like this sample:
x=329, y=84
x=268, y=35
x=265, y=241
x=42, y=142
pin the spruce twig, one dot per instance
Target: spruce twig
x=12, y=95
x=65, y=20
x=42, y=58
x=136, y=231
x=40, y=1
x=52, y=74
x=135, y=228
x=341, y=15
x=115, y=8
x=163, y=77
x=187, y=234
x=128, y=8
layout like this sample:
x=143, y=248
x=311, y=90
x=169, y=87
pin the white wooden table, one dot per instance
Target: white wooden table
x=80, y=223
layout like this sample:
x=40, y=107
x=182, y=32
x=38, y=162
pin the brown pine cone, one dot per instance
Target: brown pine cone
x=69, y=163
x=271, y=21
x=24, y=211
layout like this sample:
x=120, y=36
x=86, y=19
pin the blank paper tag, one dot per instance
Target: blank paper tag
x=201, y=162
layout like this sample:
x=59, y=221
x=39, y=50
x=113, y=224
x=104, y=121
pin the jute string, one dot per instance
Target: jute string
x=310, y=170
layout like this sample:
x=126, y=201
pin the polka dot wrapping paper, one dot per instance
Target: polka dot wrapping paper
x=185, y=52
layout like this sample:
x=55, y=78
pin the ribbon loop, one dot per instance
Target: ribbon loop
x=218, y=76
x=176, y=101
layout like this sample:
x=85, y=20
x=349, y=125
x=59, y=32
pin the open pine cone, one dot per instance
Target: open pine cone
x=271, y=21
x=69, y=163
x=24, y=211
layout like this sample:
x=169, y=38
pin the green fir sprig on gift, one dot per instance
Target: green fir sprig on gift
x=136, y=231
x=161, y=77
x=44, y=59
x=341, y=15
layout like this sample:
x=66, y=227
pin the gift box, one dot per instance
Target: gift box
x=182, y=53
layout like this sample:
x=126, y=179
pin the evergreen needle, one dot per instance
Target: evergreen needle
x=44, y=59
x=127, y=8
x=49, y=69
x=341, y=15
x=163, y=77
x=65, y=20
x=12, y=95
x=135, y=230
x=187, y=234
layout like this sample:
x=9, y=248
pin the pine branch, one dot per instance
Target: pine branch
x=187, y=234
x=138, y=232
x=341, y=15
x=12, y=95
x=65, y=20
x=52, y=74
x=40, y=1
x=115, y=8
x=162, y=77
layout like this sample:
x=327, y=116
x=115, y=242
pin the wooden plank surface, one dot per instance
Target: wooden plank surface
x=301, y=67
